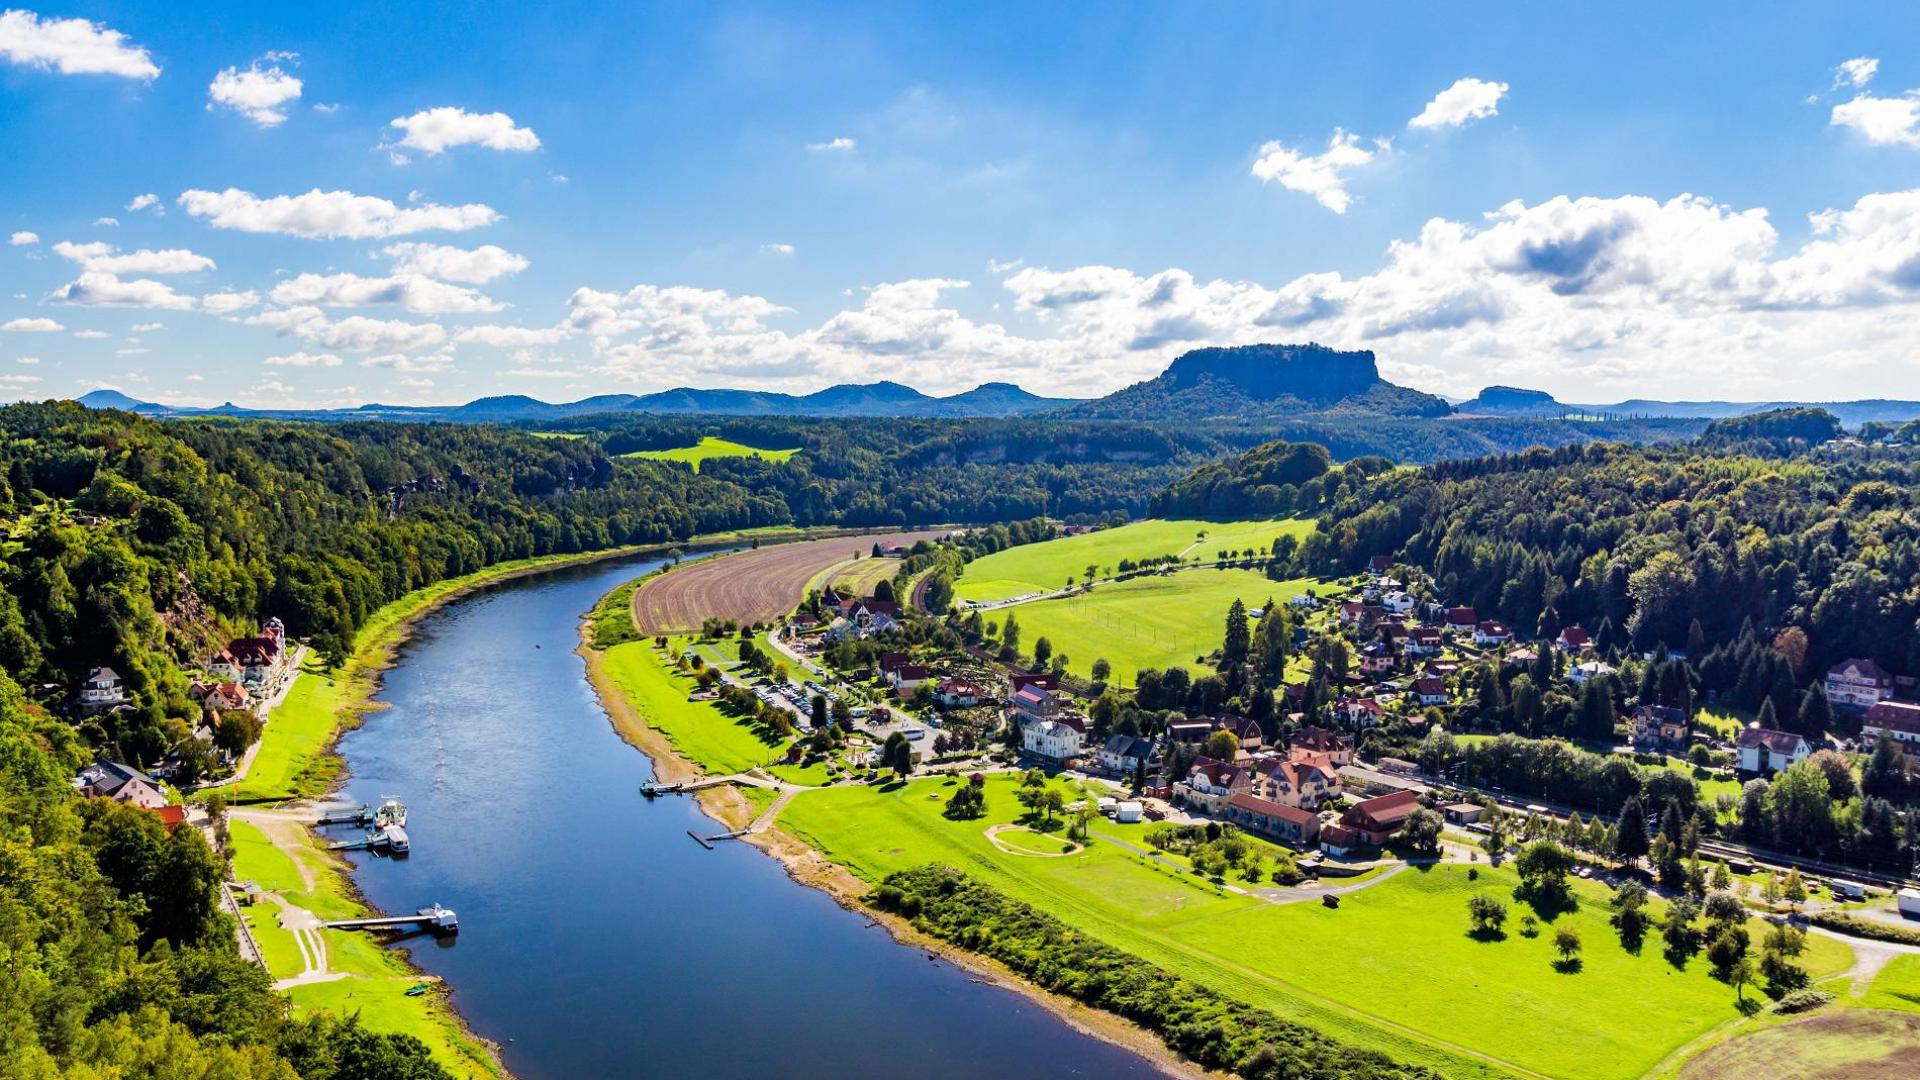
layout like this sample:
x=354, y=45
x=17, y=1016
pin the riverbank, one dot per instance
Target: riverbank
x=807, y=865
x=349, y=972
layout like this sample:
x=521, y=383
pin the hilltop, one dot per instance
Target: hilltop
x=1252, y=382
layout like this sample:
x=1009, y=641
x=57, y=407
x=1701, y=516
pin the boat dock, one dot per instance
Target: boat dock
x=435, y=918
x=361, y=814
x=391, y=839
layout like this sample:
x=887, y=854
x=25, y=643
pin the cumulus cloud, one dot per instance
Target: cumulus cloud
x=402, y=362
x=304, y=360
x=839, y=144
x=72, y=47
x=31, y=326
x=23, y=239
x=148, y=327
x=1882, y=121
x=1321, y=175
x=1858, y=71
x=92, y=335
x=103, y=258
x=149, y=201
x=107, y=222
x=259, y=94
x=420, y=295
x=356, y=333
x=1465, y=101
x=227, y=302
x=512, y=337
x=477, y=266
x=776, y=249
x=320, y=215
x=95, y=288
x=435, y=131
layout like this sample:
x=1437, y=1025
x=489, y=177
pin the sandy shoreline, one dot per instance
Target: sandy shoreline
x=807, y=866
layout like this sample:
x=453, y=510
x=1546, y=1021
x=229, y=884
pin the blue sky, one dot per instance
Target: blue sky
x=1618, y=201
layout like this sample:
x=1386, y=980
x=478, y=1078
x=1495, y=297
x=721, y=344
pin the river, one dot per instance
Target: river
x=598, y=940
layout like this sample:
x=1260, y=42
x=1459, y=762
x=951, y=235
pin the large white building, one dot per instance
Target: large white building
x=1858, y=684
x=1056, y=740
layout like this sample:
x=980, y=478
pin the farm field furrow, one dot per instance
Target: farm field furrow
x=747, y=586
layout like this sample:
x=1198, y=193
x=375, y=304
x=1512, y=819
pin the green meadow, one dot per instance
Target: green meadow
x=703, y=734
x=1145, y=622
x=1046, y=566
x=1393, y=967
x=710, y=447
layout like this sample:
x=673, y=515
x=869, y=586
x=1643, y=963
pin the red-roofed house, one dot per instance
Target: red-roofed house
x=1377, y=819
x=1278, y=820
x=957, y=693
x=1319, y=740
x=1045, y=680
x=1573, y=639
x=1362, y=712
x=1858, y=684
x=1430, y=691
x=1209, y=782
x=1491, y=633
x=1304, y=781
x=1424, y=641
x=1245, y=728
x=1894, y=719
x=1460, y=620
x=1764, y=750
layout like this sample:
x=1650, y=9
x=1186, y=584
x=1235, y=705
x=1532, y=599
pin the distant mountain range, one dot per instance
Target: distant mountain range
x=869, y=399
x=1511, y=401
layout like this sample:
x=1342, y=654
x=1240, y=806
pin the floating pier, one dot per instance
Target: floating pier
x=437, y=919
x=391, y=839
x=361, y=814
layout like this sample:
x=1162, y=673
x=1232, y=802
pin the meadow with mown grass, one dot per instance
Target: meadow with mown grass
x=710, y=447
x=1046, y=566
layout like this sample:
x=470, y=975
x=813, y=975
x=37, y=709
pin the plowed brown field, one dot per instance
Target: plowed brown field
x=747, y=586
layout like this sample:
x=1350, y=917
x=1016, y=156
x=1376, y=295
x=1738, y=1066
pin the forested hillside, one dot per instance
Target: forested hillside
x=1691, y=547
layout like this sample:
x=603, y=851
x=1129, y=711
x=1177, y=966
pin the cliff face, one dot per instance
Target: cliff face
x=1263, y=381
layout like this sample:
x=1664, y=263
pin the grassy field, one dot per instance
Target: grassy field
x=1392, y=967
x=1149, y=621
x=1897, y=986
x=1047, y=566
x=376, y=980
x=702, y=734
x=710, y=447
x=1846, y=1044
x=857, y=578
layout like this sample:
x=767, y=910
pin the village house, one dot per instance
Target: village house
x=1572, y=639
x=1373, y=821
x=1463, y=813
x=1894, y=719
x=1189, y=732
x=891, y=662
x=1462, y=620
x=1125, y=755
x=908, y=677
x=1362, y=712
x=1424, y=641
x=1288, y=824
x=216, y=698
x=1320, y=740
x=1302, y=779
x=1430, y=691
x=121, y=783
x=1208, y=784
x=101, y=690
x=1661, y=727
x=1440, y=669
x=1579, y=673
x=1763, y=750
x=1057, y=740
x=1045, y=680
x=1489, y=633
x=1035, y=704
x=1858, y=684
x=1376, y=658
x=1355, y=614
x=872, y=616
x=1398, y=602
x=1380, y=565
x=1245, y=729
x=957, y=693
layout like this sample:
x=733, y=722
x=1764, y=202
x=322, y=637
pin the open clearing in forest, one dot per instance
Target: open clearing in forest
x=747, y=586
x=1145, y=622
x=1392, y=968
x=711, y=447
x=1046, y=566
x=1855, y=1044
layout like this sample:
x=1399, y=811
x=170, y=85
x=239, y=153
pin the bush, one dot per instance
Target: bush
x=1845, y=922
x=1801, y=1001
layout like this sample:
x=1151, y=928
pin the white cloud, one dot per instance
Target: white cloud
x=94, y=288
x=420, y=295
x=31, y=326
x=839, y=144
x=148, y=327
x=329, y=214
x=434, y=131
x=1858, y=71
x=776, y=249
x=326, y=108
x=402, y=362
x=149, y=201
x=107, y=222
x=103, y=258
x=259, y=94
x=1320, y=175
x=356, y=333
x=71, y=47
x=129, y=352
x=26, y=361
x=1883, y=121
x=19, y=380
x=304, y=360
x=228, y=302
x=92, y=335
x=1466, y=100
x=23, y=239
x=510, y=337
x=479, y=265
x=417, y=383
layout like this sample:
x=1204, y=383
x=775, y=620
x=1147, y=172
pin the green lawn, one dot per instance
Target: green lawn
x=1046, y=566
x=1391, y=968
x=712, y=447
x=1897, y=986
x=699, y=730
x=1151, y=622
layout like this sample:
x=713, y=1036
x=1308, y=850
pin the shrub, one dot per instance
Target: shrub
x=1846, y=922
x=1801, y=1001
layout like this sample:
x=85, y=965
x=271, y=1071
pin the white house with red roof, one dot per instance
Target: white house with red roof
x=1289, y=824
x=1897, y=720
x=1573, y=639
x=1060, y=739
x=1858, y=683
x=1763, y=750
